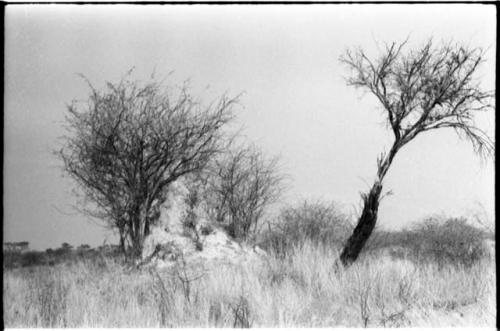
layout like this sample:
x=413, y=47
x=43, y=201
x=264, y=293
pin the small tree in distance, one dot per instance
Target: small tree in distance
x=129, y=141
x=242, y=184
x=422, y=90
x=66, y=247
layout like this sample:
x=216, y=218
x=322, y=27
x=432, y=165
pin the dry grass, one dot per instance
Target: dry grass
x=303, y=289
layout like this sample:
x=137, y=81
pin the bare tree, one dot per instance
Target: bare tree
x=422, y=90
x=240, y=189
x=128, y=142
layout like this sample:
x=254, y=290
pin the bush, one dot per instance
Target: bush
x=435, y=239
x=26, y=259
x=32, y=258
x=242, y=186
x=317, y=222
x=389, y=240
x=451, y=240
x=11, y=259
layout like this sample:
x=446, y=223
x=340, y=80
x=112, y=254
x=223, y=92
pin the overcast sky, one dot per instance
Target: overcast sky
x=295, y=103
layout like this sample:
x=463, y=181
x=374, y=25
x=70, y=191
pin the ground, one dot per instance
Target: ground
x=302, y=289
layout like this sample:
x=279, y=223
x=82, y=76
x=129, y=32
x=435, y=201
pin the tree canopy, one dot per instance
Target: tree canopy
x=130, y=140
x=420, y=90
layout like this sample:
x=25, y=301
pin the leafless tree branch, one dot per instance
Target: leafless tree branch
x=131, y=140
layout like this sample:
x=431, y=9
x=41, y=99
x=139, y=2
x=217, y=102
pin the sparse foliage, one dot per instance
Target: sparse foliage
x=430, y=88
x=242, y=186
x=187, y=275
x=241, y=313
x=129, y=141
x=164, y=298
x=433, y=87
x=314, y=221
x=448, y=241
x=66, y=247
x=363, y=293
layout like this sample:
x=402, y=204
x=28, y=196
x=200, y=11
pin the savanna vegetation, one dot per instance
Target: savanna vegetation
x=438, y=272
x=130, y=141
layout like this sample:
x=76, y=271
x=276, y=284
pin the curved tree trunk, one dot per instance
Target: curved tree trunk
x=368, y=219
x=365, y=226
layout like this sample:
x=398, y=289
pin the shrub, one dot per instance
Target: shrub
x=382, y=239
x=32, y=258
x=318, y=222
x=242, y=186
x=435, y=239
x=11, y=259
x=451, y=240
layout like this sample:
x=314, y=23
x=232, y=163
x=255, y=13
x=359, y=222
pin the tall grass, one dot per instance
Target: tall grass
x=301, y=288
x=315, y=221
x=435, y=239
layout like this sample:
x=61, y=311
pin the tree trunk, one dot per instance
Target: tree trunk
x=137, y=244
x=365, y=226
x=147, y=226
x=141, y=230
x=135, y=235
x=122, y=241
x=368, y=219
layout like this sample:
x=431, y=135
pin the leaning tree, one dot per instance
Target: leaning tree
x=430, y=88
x=129, y=141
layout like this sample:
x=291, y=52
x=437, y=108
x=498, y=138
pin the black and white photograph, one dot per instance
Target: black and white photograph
x=237, y=165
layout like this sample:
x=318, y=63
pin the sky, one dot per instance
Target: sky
x=294, y=103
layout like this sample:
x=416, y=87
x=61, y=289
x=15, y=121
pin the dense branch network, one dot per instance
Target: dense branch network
x=130, y=141
x=242, y=185
x=424, y=90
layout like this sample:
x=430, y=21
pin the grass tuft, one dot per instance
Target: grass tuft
x=303, y=288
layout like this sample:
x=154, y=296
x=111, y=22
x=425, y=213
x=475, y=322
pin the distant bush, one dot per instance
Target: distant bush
x=381, y=239
x=318, y=222
x=32, y=258
x=61, y=255
x=240, y=189
x=435, y=239
x=451, y=240
x=11, y=259
x=66, y=247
